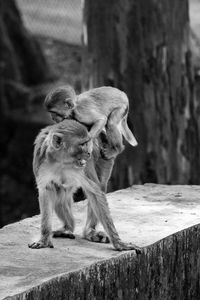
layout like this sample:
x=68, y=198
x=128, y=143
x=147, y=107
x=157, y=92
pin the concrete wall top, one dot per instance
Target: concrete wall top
x=142, y=214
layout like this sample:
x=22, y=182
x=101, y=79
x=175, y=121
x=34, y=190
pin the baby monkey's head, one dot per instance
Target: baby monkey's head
x=60, y=103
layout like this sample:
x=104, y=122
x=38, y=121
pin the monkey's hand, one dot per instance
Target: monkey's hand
x=47, y=243
x=121, y=246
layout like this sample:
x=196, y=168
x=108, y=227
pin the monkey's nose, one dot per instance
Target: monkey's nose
x=82, y=162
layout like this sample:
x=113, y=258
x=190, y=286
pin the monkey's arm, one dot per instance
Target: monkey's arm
x=97, y=127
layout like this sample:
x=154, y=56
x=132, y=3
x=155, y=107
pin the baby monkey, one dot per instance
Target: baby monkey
x=99, y=108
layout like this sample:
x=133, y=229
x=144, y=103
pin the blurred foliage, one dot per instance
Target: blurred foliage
x=29, y=67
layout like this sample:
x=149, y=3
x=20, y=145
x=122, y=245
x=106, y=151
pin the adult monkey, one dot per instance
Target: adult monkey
x=61, y=164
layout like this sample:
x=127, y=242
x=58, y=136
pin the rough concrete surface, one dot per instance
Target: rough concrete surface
x=78, y=269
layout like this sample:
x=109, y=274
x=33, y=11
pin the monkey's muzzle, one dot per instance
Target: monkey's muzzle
x=81, y=163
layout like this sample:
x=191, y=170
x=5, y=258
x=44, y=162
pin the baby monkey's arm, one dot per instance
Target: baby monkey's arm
x=97, y=127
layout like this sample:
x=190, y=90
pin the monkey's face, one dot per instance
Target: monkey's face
x=62, y=111
x=71, y=146
x=60, y=103
x=81, y=152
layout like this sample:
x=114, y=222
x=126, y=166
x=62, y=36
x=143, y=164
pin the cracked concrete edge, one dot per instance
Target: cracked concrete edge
x=171, y=265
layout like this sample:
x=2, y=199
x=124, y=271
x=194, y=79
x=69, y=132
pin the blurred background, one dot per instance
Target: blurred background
x=150, y=49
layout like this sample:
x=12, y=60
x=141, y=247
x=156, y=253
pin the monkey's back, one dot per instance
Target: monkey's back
x=104, y=99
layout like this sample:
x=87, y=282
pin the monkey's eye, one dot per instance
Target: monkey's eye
x=83, y=144
x=68, y=103
x=57, y=141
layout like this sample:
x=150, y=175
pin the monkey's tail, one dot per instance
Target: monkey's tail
x=89, y=185
x=125, y=130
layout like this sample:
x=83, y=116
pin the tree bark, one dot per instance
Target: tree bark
x=22, y=68
x=142, y=47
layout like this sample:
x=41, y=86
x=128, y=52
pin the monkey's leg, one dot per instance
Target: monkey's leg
x=46, y=199
x=90, y=233
x=114, y=136
x=100, y=207
x=63, y=209
x=104, y=168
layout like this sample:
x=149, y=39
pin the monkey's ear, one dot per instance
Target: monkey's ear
x=57, y=141
x=69, y=103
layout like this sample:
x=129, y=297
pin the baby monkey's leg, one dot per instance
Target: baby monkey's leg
x=114, y=136
x=104, y=170
x=63, y=209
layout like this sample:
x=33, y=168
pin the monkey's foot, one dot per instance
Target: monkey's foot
x=107, y=153
x=97, y=237
x=121, y=246
x=41, y=244
x=62, y=233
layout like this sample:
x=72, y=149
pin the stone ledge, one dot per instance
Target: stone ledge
x=78, y=269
